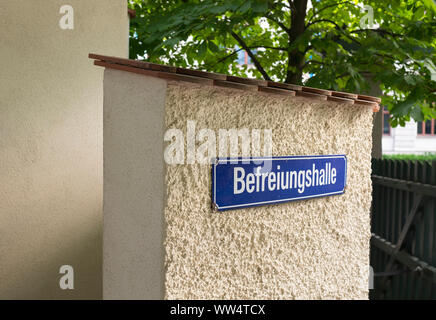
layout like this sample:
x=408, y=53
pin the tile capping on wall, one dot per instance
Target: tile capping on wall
x=248, y=84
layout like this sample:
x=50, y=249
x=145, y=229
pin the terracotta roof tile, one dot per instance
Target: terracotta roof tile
x=346, y=95
x=217, y=79
x=340, y=99
x=312, y=95
x=276, y=90
x=282, y=85
x=317, y=91
x=235, y=85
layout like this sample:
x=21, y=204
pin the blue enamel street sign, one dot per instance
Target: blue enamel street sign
x=246, y=182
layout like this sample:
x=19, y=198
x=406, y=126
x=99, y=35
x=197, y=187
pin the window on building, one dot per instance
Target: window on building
x=386, y=126
x=427, y=128
x=244, y=58
x=241, y=57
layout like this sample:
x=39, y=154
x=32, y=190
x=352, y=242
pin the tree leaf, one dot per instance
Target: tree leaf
x=198, y=33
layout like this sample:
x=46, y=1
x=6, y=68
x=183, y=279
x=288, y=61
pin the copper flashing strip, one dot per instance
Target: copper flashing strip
x=317, y=91
x=255, y=82
x=127, y=68
x=340, y=100
x=154, y=73
x=222, y=80
x=375, y=105
x=282, y=85
x=369, y=98
x=365, y=102
x=158, y=67
x=234, y=85
x=276, y=91
x=181, y=77
x=203, y=74
x=134, y=63
x=311, y=95
x=345, y=95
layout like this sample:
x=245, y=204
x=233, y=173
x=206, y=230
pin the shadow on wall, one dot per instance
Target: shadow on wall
x=51, y=144
x=50, y=200
x=46, y=286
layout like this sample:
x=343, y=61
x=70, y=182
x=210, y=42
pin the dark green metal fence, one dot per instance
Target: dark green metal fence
x=403, y=243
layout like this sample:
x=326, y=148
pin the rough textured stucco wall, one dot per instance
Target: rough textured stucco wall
x=51, y=144
x=310, y=249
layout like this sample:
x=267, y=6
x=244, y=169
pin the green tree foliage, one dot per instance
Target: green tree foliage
x=336, y=42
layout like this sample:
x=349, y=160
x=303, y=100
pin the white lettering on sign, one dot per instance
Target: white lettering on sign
x=282, y=180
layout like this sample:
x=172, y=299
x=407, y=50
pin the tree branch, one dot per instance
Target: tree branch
x=280, y=24
x=322, y=20
x=251, y=55
x=284, y=4
x=337, y=27
x=382, y=31
x=396, y=60
x=237, y=50
x=292, y=6
x=313, y=61
x=224, y=58
x=326, y=7
x=269, y=47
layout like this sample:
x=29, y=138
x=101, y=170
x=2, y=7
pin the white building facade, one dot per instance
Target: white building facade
x=413, y=138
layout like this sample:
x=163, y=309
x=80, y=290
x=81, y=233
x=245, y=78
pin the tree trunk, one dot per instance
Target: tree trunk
x=295, y=57
x=377, y=129
x=296, y=63
x=377, y=134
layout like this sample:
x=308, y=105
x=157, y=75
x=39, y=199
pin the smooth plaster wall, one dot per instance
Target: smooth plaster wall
x=133, y=254
x=51, y=144
x=310, y=249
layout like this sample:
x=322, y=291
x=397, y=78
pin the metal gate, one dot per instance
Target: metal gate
x=403, y=242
